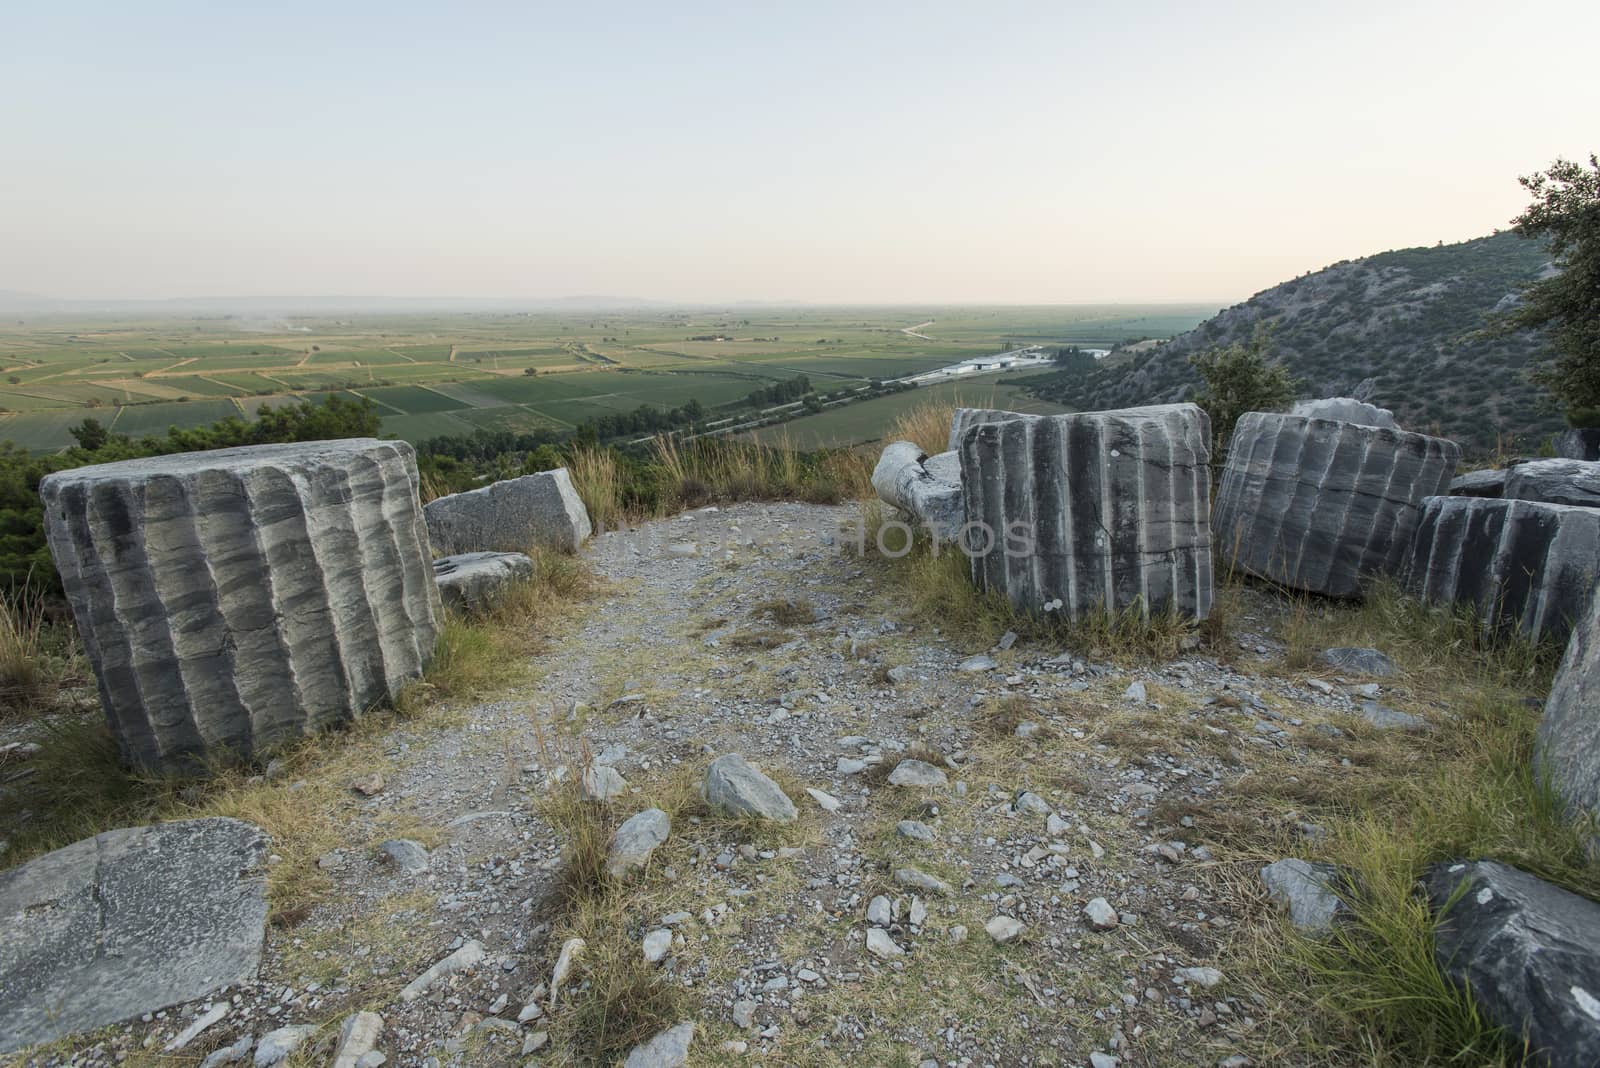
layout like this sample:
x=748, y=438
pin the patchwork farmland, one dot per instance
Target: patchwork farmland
x=453, y=374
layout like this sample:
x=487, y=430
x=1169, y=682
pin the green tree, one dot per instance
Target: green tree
x=1566, y=212
x=1240, y=378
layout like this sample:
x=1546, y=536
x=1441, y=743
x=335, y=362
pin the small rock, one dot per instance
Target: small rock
x=275, y=1046
x=917, y=773
x=744, y=1015
x=1031, y=803
x=601, y=782
x=915, y=830
x=1003, y=928
x=734, y=786
x=669, y=1049
x=571, y=950
x=409, y=856
x=880, y=913
x=1206, y=977
x=1103, y=1060
x=657, y=944
x=1386, y=718
x=1101, y=914
x=1135, y=692
x=919, y=880
x=1359, y=661
x=880, y=945
x=1305, y=889
x=358, y=1036
x=827, y=802
x=972, y=665
x=635, y=840
x=536, y=1041
x=468, y=956
x=958, y=933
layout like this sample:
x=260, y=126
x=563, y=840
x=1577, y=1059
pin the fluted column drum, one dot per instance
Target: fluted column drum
x=1322, y=504
x=1091, y=510
x=234, y=600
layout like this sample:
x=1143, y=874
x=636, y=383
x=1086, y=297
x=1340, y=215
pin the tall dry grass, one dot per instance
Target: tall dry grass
x=926, y=425
x=599, y=484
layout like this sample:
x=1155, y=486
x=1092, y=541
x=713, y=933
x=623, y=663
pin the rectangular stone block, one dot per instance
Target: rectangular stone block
x=512, y=515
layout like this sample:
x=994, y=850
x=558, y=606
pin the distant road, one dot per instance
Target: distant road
x=911, y=331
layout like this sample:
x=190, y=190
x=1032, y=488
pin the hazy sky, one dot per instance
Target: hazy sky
x=866, y=152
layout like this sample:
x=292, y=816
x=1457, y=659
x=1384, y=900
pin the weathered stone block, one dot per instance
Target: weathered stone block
x=541, y=510
x=1523, y=565
x=1528, y=952
x=471, y=580
x=235, y=600
x=1092, y=509
x=1575, y=482
x=927, y=488
x=1323, y=505
x=1567, y=747
x=1581, y=444
x=128, y=922
x=1345, y=409
x=1490, y=482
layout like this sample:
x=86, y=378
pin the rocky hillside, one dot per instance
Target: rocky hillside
x=1400, y=329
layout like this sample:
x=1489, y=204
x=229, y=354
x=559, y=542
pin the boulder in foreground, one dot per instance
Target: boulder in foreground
x=236, y=600
x=1574, y=482
x=1323, y=505
x=128, y=922
x=1528, y=951
x=516, y=514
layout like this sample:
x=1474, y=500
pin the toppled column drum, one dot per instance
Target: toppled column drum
x=1323, y=504
x=235, y=600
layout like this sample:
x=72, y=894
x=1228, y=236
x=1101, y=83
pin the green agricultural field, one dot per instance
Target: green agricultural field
x=448, y=373
x=852, y=424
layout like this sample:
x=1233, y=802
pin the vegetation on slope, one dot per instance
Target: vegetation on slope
x=1403, y=329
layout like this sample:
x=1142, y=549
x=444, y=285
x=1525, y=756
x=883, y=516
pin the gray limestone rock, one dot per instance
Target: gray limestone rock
x=1567, y=746
x=1359, y=661
x=358, y=1036
x=928, y=489
x=276, y=1046
x=635, y=840
x=1346, y=410
x=409, y=856
x=1523, y=566
x=601, y=782
x=1581, y=444
x=917, y=773
x=735, y=787
x=511, y=516
x=1574, y=482
x=1322, y=505
x=1528, y=951
x=468, y=581
x=1490, y=482
x=1092, y=510
x=669, y=1049
x=1305, y=891
x=128, y=922
x=236, y=600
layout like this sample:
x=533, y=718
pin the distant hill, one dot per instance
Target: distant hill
x=1399, y=329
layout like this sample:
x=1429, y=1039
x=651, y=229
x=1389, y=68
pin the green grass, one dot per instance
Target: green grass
x=142, y=419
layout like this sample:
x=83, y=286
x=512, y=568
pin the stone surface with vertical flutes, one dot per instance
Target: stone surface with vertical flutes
x=1567, y=748
x=1322, y=504
x=235, y=600
x=1113, y=509
x=966, y=418
x=1522, y=565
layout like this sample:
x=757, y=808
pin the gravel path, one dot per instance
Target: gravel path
x=1049, y=903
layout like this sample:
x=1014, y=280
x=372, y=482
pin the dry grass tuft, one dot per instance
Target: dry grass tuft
x=786, y=613
x=599, y=484
x=925, y=425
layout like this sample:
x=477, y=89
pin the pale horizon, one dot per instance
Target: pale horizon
x=865, y=155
